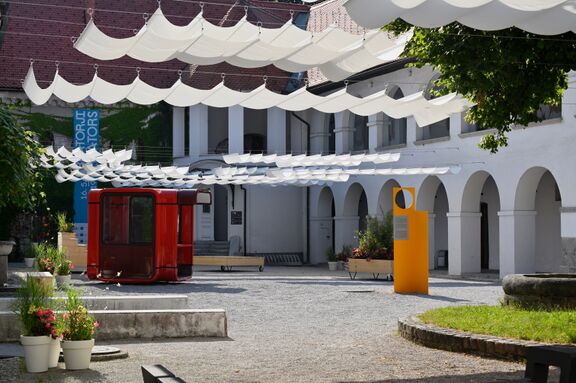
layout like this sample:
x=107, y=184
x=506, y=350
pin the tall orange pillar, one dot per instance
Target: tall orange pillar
x=410, y=246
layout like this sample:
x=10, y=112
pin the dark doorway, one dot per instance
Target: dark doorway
x=484, y=239
x=220, y=213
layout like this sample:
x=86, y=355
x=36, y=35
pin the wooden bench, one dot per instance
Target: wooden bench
x=538, y=360
x=227, y=262
x=225, y=254
x=157, y=373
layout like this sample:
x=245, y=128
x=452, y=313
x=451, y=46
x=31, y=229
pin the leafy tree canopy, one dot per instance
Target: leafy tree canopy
x=19, y=175
x=508, y=73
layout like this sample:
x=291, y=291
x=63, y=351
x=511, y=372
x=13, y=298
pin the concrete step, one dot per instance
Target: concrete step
x=123, y=324
x=124, y=302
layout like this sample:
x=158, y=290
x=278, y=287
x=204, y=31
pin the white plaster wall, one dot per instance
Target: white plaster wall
x=275, y=219
x=548, y=241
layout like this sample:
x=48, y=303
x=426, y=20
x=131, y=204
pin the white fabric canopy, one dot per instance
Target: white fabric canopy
x=288, y=160
x=338, y=54
x=543, y=17
x=424, y=111
x=108, y=167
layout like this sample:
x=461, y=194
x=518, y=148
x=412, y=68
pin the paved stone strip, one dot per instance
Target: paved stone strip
x=458, y=341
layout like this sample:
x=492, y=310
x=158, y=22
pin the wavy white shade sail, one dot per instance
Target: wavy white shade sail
x=108, y=167
x=543, y=17
x=424, y=111
x=288, y=160
x=336, y=53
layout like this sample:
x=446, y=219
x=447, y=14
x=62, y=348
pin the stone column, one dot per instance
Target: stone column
x=276, y=131
x=517, y=241
x=463, y=242
x=375, y=131
x=178, y=132
x=198, y=130
x=346, y=228
x=568, y=233
x=344, y=133
x=236, y=129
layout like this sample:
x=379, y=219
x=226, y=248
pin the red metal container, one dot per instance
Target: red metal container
x=142, y=235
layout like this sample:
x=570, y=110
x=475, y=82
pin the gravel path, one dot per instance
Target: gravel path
x=297, y=325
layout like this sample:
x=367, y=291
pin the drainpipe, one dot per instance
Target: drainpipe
x=245, y=217
x=307, y=260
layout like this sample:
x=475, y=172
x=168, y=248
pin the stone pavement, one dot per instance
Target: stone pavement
x=296, y=324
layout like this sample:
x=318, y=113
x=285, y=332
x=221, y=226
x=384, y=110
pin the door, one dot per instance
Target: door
x=127, y=245
x=484, y=239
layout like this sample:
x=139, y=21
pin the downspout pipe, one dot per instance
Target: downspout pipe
x=245, y=218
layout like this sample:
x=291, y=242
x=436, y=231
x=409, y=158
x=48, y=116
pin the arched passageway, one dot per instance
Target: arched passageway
x=538, y=242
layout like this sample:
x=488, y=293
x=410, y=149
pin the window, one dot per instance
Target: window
x=360, y=133
x=396, y=127
x=127, y=219
x=438, y=129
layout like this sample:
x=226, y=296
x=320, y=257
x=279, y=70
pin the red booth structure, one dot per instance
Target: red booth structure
x=142, y=235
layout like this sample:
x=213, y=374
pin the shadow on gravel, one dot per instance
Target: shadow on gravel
x=340, y=283
x=175, y=288
x=63, y=375
x=462, y=284
x=440, y=298
x=492, y=377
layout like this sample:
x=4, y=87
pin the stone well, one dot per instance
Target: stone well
x=540, y=290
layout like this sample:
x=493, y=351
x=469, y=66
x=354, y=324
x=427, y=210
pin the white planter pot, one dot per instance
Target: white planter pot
x=332, y=266
x=63, y=280
x=54, y=353
x=77, y=353
x=36, y=352
x=29, y=262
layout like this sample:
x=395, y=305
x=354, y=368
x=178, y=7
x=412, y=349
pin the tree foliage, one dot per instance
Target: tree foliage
x=508, y=73
x=20, y=178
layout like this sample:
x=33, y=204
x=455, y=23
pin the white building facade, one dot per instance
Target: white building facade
x=511, y=212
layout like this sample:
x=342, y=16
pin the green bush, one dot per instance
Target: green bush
x=377, y=241
x=31, y=304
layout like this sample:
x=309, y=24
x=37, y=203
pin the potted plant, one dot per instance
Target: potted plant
x=30, y=255
x=332, y=259
x=45, y=257
x=344, y=255
x=374, y=253
x=62, y=268
x=78, y=328
x=40, y=338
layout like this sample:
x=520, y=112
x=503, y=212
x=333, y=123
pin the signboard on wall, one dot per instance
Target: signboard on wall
x=86, y=136
x=236, y=218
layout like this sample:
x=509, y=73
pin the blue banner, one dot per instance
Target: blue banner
x=86, y=136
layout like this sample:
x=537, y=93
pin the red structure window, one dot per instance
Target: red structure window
x=127, y=219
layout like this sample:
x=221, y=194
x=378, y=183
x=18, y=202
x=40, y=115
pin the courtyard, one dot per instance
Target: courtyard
x=295, y=324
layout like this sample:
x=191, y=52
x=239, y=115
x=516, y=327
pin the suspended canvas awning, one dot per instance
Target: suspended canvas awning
x=289, y=160
x=536, y=16
x=120, y=174
x=338, y=54
x=424, y=111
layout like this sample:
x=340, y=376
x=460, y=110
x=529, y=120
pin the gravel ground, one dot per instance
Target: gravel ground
x=300, y=324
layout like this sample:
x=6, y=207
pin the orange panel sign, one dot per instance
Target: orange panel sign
x=410, y=244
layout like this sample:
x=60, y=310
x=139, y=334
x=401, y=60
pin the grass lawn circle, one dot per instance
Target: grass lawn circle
x=549, y=326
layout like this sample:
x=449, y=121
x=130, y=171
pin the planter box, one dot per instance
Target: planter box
x=75, y=252
x=373, y=266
